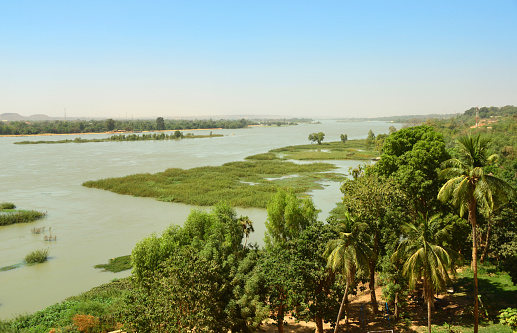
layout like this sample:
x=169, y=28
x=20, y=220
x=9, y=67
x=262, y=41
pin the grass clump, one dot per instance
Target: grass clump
x=37, y=256
x=351, y=150
x=242, y=183
x=7, y=205
x=117, y=264
x=19, y=216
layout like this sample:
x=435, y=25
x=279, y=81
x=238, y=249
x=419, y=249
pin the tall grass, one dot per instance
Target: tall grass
x=37, y=256
x=20, y=216
x=243, y=183
x=7, y=205
x=337, y=150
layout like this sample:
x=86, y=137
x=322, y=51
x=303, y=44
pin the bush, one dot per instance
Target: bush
x=7, y=205
x=20, y=216
x=37, y=256
x=509, y=317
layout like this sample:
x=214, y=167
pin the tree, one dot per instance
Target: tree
x=412, y=158
x=160, y=124
x=280, y=266
x=347, y=254
x=317, y=137
x=319, y=289
x=192, y=278
x=469, y=187
x=424, y=258
x=344, y=138
x=110, y=124
x=381, y=205
x=247, y=227
x=370, y=138
x=287, y=217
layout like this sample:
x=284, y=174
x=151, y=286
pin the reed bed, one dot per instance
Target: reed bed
x=37, y=256
x=337, y=150
x=19, y=216
x=242, y=183
x=124, y=137
x=7, y=205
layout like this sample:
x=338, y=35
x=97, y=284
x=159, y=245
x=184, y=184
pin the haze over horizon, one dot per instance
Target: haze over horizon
x=341, y=59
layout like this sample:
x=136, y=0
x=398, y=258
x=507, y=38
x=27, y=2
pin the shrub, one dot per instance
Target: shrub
x=509, y=317
x=7, y=205
x=85, y=323
x=37, y=256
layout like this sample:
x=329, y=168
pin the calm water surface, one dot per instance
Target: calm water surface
x=94, y=225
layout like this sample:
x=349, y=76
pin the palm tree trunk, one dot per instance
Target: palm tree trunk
x=345, y=296
x=487, y=242
x=472, y=219
x=429, y=306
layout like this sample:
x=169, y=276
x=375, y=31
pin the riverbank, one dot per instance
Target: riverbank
x=111, y=132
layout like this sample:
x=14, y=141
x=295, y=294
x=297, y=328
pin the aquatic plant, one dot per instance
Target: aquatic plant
x=37, y=256
x=20, y=216
x=7, y=205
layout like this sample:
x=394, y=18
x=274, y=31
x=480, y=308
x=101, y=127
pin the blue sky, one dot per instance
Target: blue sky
x=289, y=58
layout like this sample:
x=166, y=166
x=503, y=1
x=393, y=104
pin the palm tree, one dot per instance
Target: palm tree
x=347, y=254
x=469, y=187
x=424, y=259
x=247, y=227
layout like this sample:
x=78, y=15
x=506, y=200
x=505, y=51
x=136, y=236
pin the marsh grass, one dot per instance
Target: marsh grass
x=123, y=137
x=10, y=267
x=117, y=264
x=37, y=256
x=242, y=183
x=7, y=205
x=337, y=150
x=19, y=216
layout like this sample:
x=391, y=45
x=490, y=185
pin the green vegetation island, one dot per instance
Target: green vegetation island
x=10, y=215
x=177, y=135
x=425, y=239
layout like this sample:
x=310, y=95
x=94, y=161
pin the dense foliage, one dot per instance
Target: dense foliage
x=99, y=126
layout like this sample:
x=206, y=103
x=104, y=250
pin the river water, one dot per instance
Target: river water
x=93, y=225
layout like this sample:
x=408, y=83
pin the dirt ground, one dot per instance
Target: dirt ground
x=449, y=309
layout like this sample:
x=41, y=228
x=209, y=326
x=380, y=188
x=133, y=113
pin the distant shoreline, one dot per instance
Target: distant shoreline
x=112, y=132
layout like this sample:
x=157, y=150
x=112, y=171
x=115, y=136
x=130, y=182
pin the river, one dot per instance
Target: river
x=93, y=225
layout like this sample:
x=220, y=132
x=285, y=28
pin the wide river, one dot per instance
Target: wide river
x=93, y=225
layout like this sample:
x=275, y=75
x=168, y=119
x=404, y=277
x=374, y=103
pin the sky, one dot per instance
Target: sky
x=145, y=59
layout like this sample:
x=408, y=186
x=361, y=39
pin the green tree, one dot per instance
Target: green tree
x=469, y=187
x=370, y=138
x=344, y=138
x=347, y=254
x=381, y=205
x=110, y=124
x=319, y=289
x=282, y=264
x=287, y=217
x=160, y=124
x=171, y=274
x=424, y=258
x=412, y=158
x=317, y=137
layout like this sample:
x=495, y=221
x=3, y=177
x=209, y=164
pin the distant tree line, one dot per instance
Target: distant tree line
x=99, y=126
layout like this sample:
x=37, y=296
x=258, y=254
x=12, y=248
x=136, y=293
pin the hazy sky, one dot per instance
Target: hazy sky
x=113, y=58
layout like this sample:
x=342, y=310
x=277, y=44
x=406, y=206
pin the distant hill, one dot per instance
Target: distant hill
x=16, y=116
